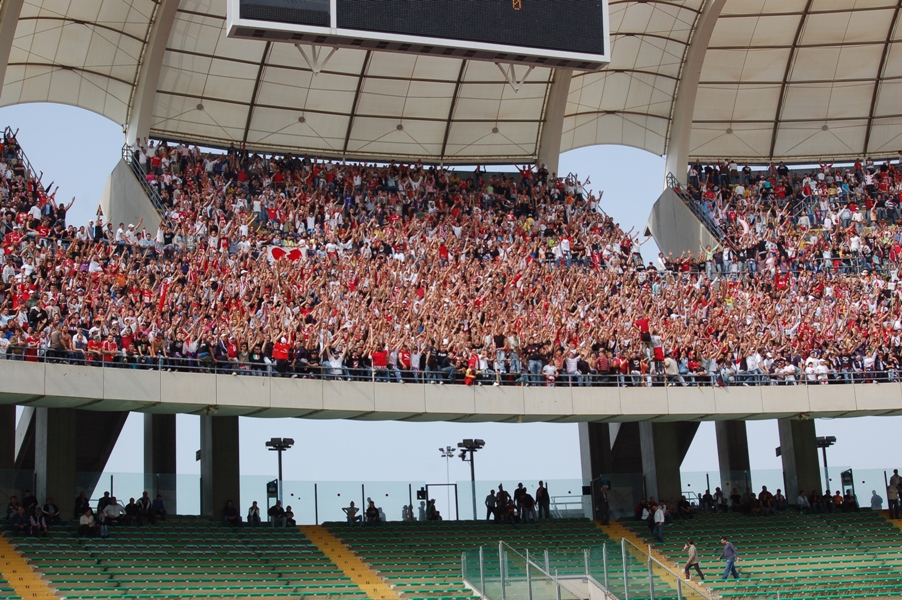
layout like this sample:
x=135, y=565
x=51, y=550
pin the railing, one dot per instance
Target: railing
x=9, y=133
x=706, y=220
x=128, y=157
x=502, y=573
x=662, y=579
x=285, y=369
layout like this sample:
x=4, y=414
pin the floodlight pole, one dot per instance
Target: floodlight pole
x=279, y=445
x=473, y=480
x=471, y=446
x=823, y=443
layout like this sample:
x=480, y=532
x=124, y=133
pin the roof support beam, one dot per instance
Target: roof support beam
x=792, y=58
x=684, y=103
x=881, y=70
x=256, y=92
x=141, y=110
x=9, y=19
x=363, y=70
x=549, y=150
x=460, y=78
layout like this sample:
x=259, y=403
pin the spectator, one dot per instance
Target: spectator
x=82, y=504
x=51, y=512
x=351, y=513
x=372, y=513
x=230, y=515
x=12, y=508
x=277, y=514
x=133, y=513
x=876, y=501
x=729, y=555
x=692, y=560
x=159, y=508
x=145, y=508
x=659, y=514
x=87, y=526
x=253, y=514
x=18, y=523
x=114, y=512
x=803, y=503
x=37, y=524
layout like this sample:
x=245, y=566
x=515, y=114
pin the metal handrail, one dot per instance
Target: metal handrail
x=706, y=220
x=128, y=157
x=654, y=562
x=505, y=547
x=9, y=133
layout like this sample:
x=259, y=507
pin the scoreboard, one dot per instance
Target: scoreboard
x=551, y=33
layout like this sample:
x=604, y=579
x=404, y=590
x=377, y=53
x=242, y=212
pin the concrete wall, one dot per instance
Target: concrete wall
x=94, y=388
x=125, y=201
x=675, y=227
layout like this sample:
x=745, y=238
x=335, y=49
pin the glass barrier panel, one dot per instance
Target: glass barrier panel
x=492, y=562
x=545, y=586
x=393, y=498
x=471, y=571
x=332, y=496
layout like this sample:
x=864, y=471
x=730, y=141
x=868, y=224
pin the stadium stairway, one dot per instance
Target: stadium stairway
x=17, y=579
x=616, y=530
x=423, y=560
x=801, y=557
x=347, y=561
x=186, y=557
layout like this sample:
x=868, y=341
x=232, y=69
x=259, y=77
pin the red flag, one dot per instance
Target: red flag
x=163, y=295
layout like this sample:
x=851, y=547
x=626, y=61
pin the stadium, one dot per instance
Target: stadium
x=359, y=223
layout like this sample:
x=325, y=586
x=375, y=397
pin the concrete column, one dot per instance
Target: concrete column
x=7, y=437
x=595, y=450
x=219, y=466
x=553, y=124
x=677, y=160
x=141, y=111
x=7, y=449
x=9, y=22
x=159, y=458
x=55, y=456
x=733, y=455
x=798, y=446
x=661, y=458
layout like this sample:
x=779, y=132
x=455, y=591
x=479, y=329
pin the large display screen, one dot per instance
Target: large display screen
x=543, y=32
x=296, y=12
x=568, y=25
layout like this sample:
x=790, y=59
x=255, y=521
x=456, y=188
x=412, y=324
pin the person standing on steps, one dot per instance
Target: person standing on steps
x=730, y=555
x=659, y=520
x=692, y=560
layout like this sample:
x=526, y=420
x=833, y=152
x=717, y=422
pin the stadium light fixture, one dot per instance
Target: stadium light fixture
x=823, y=443
x=280, y=445
x=471, y=447
x=447, y=453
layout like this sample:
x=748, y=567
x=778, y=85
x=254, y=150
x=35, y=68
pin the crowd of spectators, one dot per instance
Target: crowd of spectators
x=300, y=267
x=29, y=517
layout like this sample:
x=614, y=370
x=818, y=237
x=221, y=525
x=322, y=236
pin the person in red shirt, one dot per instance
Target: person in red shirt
x=379, y=358
x=280, y=354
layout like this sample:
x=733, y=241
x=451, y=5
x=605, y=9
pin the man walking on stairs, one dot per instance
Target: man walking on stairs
x=730, y=555
x=692, y=560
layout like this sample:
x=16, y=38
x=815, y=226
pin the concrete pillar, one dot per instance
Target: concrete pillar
x=7, y=450
x=159, y=458
x=798, y=446
x=661, y=458
x=7, y=437
x=55, y=456
x=9, y=21
x=553, y=124
x=733, y=455
x=677, y=160
x=219, y=466
x=595, y=450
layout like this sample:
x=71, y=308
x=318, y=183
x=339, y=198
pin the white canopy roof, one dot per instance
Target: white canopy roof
x=785, y=79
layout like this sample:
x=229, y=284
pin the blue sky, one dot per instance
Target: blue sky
x=78, y=149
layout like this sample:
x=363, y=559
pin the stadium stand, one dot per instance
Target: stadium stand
x=188, y=557
x=839, y=555
x=418, y=249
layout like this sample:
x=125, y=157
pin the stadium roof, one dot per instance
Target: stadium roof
x=784, y=79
